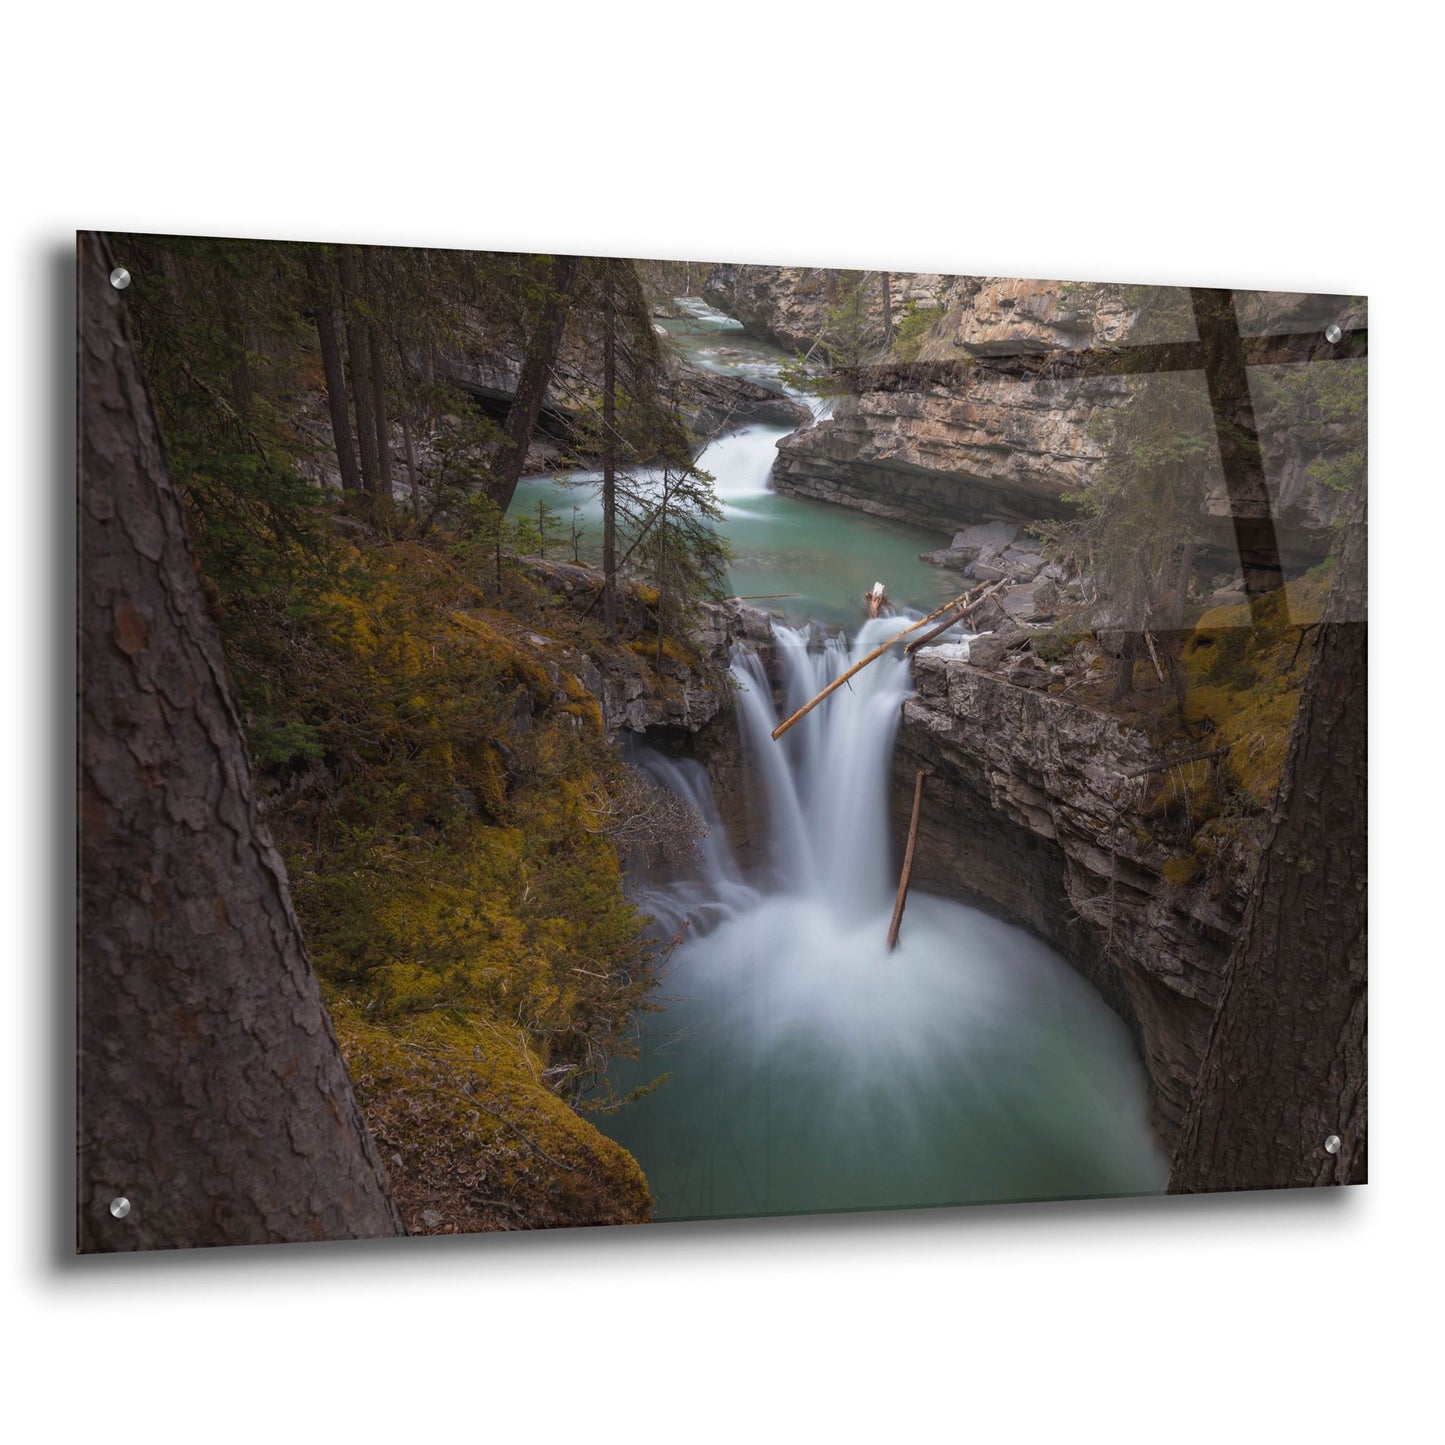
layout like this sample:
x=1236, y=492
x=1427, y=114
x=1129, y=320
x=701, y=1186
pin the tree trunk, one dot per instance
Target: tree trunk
x=358, y=354
x=609, y=452
x=886, y=282
x=536, y=377
x=331, y=363
x=1124, y=675
x=383, y=424
x=662, y=571
x=1285, y=1065
x=1241, y=457
x=378, y=384
x=211, y=1093
x=413, y=477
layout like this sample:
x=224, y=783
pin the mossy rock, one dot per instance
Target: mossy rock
x=1181, y=871
x=482, y=1142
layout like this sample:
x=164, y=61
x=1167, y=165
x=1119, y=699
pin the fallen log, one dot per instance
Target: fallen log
x=858, y=666
x=953, y=621
x=907, y=873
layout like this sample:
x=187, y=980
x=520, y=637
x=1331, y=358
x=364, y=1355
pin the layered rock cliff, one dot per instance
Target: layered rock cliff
x=1048, y=812
x=1040, y=809
x=789, y=305
x=938, y=434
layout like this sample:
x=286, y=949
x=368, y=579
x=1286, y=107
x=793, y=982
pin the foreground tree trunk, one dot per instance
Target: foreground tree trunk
x=536, y=377
x=211, y=1093
x=1285, y=1065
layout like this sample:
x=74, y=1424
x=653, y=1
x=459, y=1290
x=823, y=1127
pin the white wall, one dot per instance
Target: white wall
x=1294, y=146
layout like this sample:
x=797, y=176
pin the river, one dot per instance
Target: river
x=828, y=554
x=808, y=1068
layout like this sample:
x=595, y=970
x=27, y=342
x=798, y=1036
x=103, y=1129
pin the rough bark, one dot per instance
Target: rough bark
x=1285, y=1065
x=324, y=314
x=536, y=377
x=211, y=1092
x=358, y=356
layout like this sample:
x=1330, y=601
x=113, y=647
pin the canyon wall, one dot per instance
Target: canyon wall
x=934, y=431
x=1038, y=809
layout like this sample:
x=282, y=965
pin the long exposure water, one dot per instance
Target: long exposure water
x=808, y=1068
x=829, y=555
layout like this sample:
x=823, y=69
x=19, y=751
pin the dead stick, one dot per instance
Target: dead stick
x=955, y=619
x=1179, y=762
x=762, y=596
x=873, y=656
x=907, y=865
x=1153, y=656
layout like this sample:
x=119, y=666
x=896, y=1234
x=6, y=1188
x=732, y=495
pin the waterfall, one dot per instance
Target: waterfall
x=811, y=1069
x=827, y=777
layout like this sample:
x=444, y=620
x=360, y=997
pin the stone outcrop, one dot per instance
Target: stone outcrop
x=712, y=402
x=941, y=456
x=941, y=438
x=685, y=695
x=939, y=448
x=709, y=403
x=1039, y=809
x=789, y=305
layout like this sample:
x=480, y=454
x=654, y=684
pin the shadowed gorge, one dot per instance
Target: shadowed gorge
x=558, y=598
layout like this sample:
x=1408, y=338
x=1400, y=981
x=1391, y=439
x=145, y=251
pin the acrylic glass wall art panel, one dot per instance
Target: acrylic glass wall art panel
x=569, y=740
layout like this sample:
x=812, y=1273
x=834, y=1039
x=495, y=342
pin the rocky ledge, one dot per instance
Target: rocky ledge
x=1045, y=811
x=963, y=427
x=683, y=692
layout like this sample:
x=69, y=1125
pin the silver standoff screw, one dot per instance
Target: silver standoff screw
x=120, y=1206
x=1332, y=333
x=1332, y=1144
x=120, y=278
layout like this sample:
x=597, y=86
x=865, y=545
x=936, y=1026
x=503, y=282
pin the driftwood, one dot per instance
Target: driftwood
x=858, y=666
x=907, y=873
x=957, y=617
x=762, y=596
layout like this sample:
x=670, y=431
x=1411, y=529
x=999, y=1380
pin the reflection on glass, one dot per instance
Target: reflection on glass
x=741, y=739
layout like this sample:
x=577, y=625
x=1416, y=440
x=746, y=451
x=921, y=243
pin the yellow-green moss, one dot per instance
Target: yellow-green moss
x=518, y=664
x=459, y=893
x=1181, y=871
x=646, y=648
x=482, y=1142
x=1244, y=674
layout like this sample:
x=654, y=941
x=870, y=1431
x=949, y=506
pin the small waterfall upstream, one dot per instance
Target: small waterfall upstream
x=811, y=1070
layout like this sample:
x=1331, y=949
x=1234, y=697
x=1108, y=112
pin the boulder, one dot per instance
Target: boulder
x=990, y=648
x=1033, y=602
x=986, y=536
x=1018, y=566
x=956, y=558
